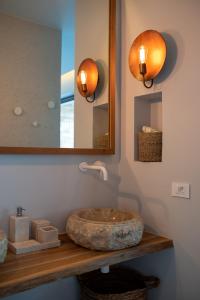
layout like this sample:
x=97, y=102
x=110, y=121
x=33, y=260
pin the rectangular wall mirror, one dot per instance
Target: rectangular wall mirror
x=43, y=43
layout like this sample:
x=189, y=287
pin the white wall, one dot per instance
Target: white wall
x=147, y=186
x=29, y=78
x=91, y=41
x=51, y=187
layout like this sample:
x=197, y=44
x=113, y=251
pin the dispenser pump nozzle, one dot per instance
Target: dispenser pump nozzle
x=19, y=211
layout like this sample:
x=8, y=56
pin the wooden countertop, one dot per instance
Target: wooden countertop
x=26, y=271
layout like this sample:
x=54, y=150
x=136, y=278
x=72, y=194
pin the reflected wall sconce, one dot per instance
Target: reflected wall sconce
x=87, y=79
x=147, y=56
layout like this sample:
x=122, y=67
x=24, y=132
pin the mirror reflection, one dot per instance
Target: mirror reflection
x=43, y=43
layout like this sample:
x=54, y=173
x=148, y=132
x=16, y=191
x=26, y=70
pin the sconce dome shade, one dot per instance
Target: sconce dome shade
x=89, y=66
x=155, y=45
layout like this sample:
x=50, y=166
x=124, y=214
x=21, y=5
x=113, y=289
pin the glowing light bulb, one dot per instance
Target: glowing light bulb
x=83, y=76
x=142, y=60
x=142, y=55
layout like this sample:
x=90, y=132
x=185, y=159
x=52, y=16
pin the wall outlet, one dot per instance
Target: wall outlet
x=181, y=189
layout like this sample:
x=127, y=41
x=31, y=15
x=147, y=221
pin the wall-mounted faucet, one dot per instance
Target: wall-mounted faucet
x=97, y=165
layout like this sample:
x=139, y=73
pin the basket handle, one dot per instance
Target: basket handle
x=150, y=281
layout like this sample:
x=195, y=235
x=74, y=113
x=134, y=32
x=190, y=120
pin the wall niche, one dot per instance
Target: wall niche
x=147, y=112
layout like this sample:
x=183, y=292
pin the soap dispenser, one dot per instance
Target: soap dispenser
x=19, y=227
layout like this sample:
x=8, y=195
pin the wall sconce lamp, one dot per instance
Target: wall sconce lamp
x=87, y=79
x=147, y=56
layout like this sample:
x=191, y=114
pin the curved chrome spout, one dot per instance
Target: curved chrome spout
x=98, y=165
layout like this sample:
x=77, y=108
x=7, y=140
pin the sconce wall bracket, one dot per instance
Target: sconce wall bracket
x=90, y=99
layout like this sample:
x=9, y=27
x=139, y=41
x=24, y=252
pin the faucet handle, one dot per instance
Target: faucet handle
x=83, y=166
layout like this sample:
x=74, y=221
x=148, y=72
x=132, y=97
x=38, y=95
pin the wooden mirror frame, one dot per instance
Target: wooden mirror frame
x=111, y=96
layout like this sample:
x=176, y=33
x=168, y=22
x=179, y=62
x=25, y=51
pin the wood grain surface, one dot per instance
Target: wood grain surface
x=26, y=271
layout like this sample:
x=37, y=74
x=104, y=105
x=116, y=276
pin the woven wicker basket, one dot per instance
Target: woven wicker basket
x=150, y=146
x=119, y=284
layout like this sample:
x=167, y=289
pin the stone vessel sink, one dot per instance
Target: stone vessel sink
x=105, y=228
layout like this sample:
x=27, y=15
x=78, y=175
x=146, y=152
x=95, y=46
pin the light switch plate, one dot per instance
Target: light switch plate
x=181, y=189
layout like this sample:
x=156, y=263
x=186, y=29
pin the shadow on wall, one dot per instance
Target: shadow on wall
x=129, y=201
x=167, y=264
x=147, y=207
x=103, y=78
x=126, y=198
x=60, y=289
x=161, y=265
x=170, y=266
x=171, y=58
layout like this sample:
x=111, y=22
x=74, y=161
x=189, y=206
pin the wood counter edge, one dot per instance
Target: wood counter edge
x=106, y=258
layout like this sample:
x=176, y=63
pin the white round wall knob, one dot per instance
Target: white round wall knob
x=51, y=104
x=18, y=111
x=35, y=123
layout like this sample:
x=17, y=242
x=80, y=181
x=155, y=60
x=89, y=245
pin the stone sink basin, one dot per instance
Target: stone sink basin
x=105, y=228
